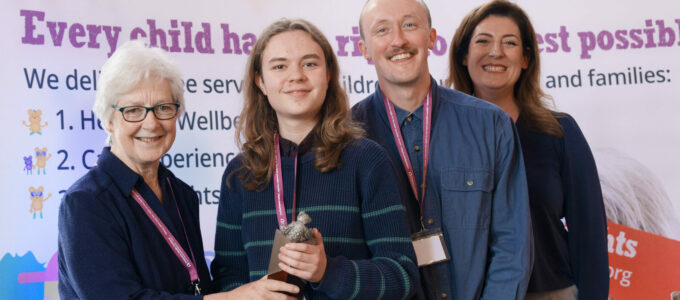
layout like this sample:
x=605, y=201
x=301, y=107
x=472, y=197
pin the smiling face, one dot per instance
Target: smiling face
x=140, y=145
x=34, y=116
x=495, y=58
x=294, y=76
x=397, y=37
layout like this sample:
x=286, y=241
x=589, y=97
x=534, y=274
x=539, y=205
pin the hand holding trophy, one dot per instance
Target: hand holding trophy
x=298, y=254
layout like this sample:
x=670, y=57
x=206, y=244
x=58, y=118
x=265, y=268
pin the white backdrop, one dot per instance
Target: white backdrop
x=637, y=118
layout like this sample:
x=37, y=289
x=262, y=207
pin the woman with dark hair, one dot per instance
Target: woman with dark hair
x=297, y=141
x=494, y=56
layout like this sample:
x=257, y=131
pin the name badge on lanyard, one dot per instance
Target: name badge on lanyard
x=429, y=245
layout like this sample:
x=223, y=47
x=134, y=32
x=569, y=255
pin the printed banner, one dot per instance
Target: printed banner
x=642, y=265
x=612, y=65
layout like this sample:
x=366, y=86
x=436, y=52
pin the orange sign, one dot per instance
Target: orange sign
x=642, y=265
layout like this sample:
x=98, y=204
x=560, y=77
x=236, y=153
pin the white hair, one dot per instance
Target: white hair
x=126, y=68
x=633, y=196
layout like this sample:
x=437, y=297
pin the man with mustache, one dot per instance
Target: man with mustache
x=470, y=213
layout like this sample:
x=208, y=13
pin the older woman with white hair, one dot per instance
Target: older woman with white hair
x=129, y=228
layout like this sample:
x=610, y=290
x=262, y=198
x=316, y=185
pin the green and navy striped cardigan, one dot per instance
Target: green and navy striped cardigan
x=356, y=207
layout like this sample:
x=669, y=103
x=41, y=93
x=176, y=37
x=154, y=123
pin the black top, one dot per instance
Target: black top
x=563, y=183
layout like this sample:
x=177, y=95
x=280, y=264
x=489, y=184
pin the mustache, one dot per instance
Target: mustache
x=399, y=50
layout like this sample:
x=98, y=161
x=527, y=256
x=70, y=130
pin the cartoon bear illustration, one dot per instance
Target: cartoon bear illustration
x=37, y=200
x=28, y=164
x=41, y=158
x=34, y=121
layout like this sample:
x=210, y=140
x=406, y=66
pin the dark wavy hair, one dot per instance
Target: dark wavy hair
x=258, y=122
x=527, y=91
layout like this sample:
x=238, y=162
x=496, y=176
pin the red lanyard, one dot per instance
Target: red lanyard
x=278, y=186
x=399, y=140
x=190, y=265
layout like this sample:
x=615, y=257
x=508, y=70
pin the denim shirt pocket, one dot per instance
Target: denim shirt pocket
x=466, y=197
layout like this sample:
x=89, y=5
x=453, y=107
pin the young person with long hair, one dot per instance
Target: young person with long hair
x=297, y=139
x=494, y=56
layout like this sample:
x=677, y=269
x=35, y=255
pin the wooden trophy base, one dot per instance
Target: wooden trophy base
x=287, y=278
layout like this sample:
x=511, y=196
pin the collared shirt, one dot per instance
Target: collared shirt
x=110, y=249
x=290, y=149
x=476, y=193
x=411, y=125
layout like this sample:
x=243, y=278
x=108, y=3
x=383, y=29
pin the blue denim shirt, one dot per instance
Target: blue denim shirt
x=476, y=193
x=411, y=125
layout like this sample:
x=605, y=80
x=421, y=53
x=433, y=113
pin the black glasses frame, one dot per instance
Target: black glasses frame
x=146, y=111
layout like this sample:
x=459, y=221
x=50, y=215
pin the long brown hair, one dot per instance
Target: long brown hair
x=258, y=122
x=527, y=91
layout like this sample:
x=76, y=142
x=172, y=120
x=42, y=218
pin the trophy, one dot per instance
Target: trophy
x=295, y=232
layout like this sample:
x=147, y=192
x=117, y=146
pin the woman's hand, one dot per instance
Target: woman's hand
x=261, y=289
x=305, y=261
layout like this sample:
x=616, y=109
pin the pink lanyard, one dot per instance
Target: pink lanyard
x=190, y=265
x=399, y=140
x=278, y=186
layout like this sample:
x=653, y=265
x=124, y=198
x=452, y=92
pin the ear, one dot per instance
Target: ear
x=433, y=38
x=260, y=84
x=31, y=189
x=108, y=125
x=41, y=188
x=525, y=62
x=364, y=50
x=464, y=63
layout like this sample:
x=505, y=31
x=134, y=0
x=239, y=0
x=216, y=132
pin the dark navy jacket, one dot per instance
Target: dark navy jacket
x=110, y=249
x=563, y=183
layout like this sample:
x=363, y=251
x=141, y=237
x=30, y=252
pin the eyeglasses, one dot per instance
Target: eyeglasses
x=137, y=113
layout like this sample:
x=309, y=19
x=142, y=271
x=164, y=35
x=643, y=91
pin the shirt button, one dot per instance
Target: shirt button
x=409, y=118
x=470, y=182
x=444, y=295
x=416, y=147
x=430, y=221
